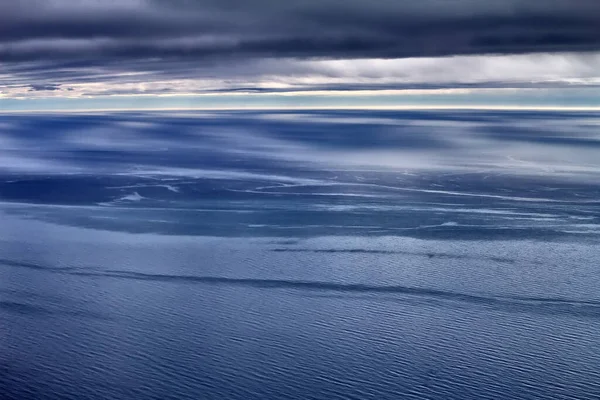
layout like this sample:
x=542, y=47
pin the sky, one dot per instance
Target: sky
x=138, y=54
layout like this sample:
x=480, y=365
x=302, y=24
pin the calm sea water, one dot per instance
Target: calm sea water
x=300, y=255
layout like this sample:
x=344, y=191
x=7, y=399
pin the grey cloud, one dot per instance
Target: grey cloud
x=43, y=87
x=296, y=28
x=58, y=42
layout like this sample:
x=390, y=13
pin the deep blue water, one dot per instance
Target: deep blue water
x=300, y=255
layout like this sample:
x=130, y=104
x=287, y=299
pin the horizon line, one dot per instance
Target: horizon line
x=317, y=108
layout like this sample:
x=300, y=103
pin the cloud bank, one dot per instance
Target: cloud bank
x=68, y=48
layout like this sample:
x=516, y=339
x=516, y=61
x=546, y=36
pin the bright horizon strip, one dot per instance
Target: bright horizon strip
x=300, y=108
x=584, y=99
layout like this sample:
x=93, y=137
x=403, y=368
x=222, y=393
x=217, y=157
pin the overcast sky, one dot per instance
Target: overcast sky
x=175, y=49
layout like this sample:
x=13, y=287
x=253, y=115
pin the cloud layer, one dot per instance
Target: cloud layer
x=92, y=29
x=92, y=47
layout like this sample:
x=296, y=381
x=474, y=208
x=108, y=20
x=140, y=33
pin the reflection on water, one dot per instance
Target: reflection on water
x=440, y=255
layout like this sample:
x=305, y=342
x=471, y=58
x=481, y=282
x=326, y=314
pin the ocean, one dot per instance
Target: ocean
x=305, y=254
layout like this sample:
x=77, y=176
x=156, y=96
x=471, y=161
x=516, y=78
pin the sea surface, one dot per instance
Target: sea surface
x=300, y=255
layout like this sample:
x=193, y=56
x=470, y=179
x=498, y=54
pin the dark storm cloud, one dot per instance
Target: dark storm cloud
x=48, y=45
x=45, y=87
x=95, y=30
